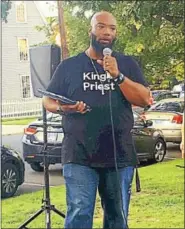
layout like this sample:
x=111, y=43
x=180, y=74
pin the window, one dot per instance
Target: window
x=20, y=11
x=158, y=107
x=167, y=107
x=173, y=107
x=25, y=85
x=23, y=49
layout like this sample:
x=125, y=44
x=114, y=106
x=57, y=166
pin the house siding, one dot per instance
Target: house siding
x=12, y=67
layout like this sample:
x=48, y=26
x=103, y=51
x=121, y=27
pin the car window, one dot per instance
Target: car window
x=168, y=106
x=160, y=97
x=158, y=107
x=155, y=94
x=167, y=96
x=173, y=106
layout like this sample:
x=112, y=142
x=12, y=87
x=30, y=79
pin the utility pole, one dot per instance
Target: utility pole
x=64, y=49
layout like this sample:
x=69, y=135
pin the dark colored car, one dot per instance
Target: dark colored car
x=149, y=142
x=12, y=171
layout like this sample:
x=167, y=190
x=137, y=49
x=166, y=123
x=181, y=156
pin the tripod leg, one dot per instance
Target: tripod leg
x=48, y=219
x=23, y=226
x=58, y=212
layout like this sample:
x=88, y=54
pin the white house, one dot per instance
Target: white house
x=18, y=34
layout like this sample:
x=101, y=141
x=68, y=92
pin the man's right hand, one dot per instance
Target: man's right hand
x=53, y=105
x=79, y=107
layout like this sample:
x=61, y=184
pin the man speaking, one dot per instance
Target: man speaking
x=97, y=142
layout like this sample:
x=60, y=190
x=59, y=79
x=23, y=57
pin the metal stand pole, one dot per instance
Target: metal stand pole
x=47, y=207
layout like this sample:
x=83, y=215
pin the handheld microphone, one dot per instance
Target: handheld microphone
x=107, y=52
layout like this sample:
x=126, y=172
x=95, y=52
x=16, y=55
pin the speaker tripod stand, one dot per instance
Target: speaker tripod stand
x=46, y=207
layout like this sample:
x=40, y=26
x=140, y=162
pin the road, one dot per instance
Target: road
x=34, y=180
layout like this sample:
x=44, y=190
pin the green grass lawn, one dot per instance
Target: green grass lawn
x=17, y=121
x=160, y=204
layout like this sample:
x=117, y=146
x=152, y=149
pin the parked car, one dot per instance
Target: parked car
x=167, y=95
x=167, y=115
x=140, y=110
x=149, y=142
x=153, y=95
x=156, y=93
x=12, y=171
x=32, y=142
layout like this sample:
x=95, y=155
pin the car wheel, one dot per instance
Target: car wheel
x=9, y=180
x=159, y=151
x=37, y=166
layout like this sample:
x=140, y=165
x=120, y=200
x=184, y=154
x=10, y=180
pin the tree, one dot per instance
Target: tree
x=152, y=31
x=5, y=7
x=51, y=29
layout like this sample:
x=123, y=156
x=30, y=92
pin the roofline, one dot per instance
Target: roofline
x=41, y=14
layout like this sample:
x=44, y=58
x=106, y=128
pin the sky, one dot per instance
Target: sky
x=48, y=8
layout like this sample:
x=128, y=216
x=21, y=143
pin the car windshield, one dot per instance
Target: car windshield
x=168, y=106
x=155, y=94
x=167, y=95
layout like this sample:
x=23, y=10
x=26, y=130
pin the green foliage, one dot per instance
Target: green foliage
x=160, y=204
x=76, y=32
x=152, y=31
x=5, y=7
x=24, y=121
x=50, y=29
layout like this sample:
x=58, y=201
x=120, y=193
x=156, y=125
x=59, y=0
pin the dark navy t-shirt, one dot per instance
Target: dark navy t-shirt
x=88, y=137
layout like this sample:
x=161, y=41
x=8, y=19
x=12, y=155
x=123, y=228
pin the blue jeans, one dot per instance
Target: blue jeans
x=81, y=187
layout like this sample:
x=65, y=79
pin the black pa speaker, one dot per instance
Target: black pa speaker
x=43, y=62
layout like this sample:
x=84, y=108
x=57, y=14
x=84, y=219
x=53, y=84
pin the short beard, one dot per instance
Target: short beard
x=99, y=47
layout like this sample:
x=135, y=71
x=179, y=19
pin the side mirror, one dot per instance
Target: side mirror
x=148, y=123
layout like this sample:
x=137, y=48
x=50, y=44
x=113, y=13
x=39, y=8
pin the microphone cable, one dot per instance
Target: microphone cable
x=115, y=156
x=114, y=143
x=108, y=52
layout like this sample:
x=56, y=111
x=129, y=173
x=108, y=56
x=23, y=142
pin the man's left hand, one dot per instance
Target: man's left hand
x=109, y=64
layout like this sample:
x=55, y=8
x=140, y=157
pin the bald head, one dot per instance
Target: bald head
x=103, y=17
